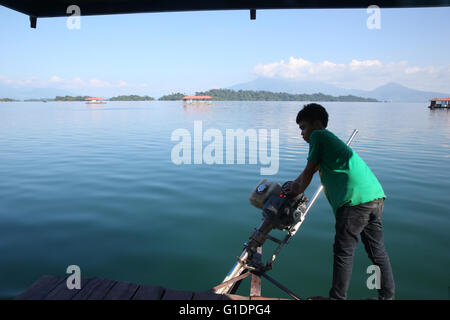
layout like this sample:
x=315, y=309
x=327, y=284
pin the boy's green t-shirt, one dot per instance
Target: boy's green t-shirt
x=346, y=178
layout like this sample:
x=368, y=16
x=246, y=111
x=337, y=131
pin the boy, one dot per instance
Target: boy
x=355, y=195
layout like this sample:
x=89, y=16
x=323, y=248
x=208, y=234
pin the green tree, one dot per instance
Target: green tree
x=172, y=97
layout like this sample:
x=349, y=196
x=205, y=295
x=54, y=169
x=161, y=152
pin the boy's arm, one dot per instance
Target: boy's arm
x=300, y=184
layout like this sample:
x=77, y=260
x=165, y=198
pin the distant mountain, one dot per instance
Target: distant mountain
x=389, y=92
x=398, y=93
x=290, y=86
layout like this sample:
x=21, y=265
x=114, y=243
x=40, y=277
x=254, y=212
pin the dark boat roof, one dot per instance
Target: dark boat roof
x=58, y=8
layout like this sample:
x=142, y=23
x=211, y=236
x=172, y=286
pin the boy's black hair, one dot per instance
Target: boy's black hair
x=312, y=112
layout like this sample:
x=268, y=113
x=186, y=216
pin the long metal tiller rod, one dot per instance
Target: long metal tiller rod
x=239, y=266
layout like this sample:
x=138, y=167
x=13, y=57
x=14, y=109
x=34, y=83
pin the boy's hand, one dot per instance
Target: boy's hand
x=291, y=187
x=300, y=184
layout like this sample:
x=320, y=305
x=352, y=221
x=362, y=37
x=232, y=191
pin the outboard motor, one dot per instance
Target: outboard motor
x=280, y=210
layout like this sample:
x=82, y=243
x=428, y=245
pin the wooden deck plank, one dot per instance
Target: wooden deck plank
x=87, y=289
x=122, y=291
x=207, y=295
x=61, y=292
x=40, y=288
x=55, y=288
x=170, y=294
x=149, y=293
x=101, y=290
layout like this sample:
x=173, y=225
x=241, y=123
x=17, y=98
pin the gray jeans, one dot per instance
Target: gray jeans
x=365, y=220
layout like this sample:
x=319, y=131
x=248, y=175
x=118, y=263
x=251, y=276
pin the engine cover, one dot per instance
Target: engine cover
x=283, y=212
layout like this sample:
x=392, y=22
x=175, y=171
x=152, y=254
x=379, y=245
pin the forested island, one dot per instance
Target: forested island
x=250, y=95
x=132, y=97
x=69, y=98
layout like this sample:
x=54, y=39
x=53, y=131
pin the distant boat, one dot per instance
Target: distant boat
x=196, y=99
x=95, y=101
x=439, y=103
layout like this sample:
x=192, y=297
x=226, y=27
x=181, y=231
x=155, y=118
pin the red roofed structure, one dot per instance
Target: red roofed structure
x=197, y=99
x=439, y=103
x=95, y=100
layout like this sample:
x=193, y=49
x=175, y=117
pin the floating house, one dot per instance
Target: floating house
x=196, y=99
x=443, y=103
x=95, y=101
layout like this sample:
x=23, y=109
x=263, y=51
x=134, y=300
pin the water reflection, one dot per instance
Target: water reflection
x=108, y=174
x=197, y=106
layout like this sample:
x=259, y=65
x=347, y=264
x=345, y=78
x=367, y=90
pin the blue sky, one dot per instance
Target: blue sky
x=160, y=53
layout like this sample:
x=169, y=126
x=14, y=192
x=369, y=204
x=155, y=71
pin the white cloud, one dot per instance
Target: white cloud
x=78, y=85
x=59, y=82
x=99, y=83
x=76, y=82
x=357, y=65
x=28, y=82
x=56, y=79
x=359, y=74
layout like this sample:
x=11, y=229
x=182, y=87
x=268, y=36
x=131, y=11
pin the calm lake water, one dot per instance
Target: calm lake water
x=96, y=187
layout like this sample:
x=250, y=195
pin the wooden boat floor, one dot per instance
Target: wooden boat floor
x=55, y=288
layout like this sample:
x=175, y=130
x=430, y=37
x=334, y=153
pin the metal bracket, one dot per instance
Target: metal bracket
x=256, y=273
x=33, y=21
